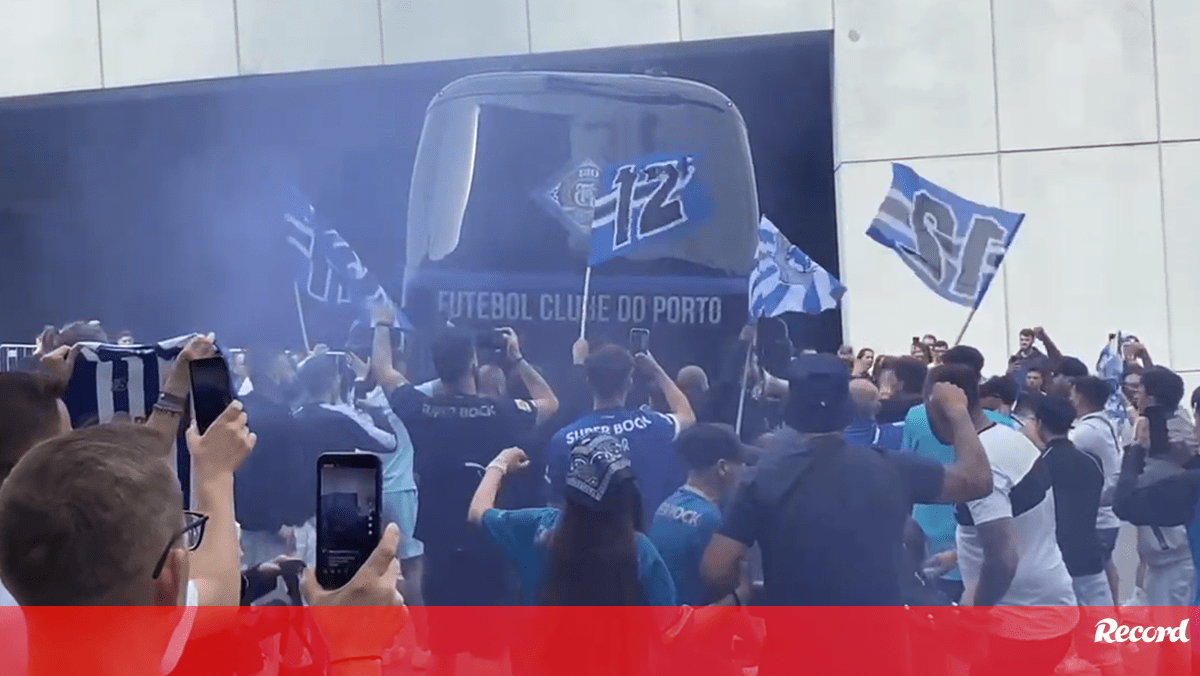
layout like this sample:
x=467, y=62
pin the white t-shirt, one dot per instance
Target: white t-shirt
x=1041, y=578
x=1094, y=433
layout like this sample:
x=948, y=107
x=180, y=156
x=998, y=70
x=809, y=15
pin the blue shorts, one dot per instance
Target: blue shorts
x=400, y=508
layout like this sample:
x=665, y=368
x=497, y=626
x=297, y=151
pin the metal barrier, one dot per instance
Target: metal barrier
x=11, y=355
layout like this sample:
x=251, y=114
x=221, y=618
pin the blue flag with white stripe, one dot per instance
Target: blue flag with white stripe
x=785, y=279
x=953, y=245
x=328, y=270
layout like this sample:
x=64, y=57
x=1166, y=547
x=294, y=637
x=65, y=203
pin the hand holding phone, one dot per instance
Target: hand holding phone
x=212, y=390
x=349, y=490
x=639, y=341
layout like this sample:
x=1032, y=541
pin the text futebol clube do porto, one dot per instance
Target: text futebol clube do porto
x=1109, y=631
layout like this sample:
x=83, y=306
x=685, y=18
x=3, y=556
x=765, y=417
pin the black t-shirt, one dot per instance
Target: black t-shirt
x=1078, y=479
x=276, y=485
x=454, y=438
x=832, y=535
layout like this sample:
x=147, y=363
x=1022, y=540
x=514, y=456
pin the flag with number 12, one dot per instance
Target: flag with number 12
x=642, y=201
x=953, y=245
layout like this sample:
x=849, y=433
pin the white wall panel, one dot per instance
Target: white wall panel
x=913, y=78
x=1177, y=23
x=428, y=30
x=1089, y=257
x=48, y=46
x=1181, y=177
x=709, y=19
x=1074, y=72
x=276, y=36
x=151, y=41
x=885, y=304
x=559, y=25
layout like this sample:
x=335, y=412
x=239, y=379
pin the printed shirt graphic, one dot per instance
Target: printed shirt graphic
x=682, y=528
x=785, y=279
x=953, y=245
x=522, y=534
x=644, y=200
x=649, y=436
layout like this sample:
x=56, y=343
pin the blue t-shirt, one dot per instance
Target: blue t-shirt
x=936, y=520
x=522, y=534
x=682, y=528
x=649, y=436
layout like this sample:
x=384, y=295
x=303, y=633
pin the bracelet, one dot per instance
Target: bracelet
x=497, y=465
x=168, y=409
x=181, y=402
x=361, y=658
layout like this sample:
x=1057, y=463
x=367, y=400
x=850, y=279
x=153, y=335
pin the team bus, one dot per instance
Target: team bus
x=516, y=170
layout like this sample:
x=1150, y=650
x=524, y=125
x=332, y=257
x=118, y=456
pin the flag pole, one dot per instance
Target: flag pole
x=587, y=287
x=300, y=313
x=742, y=389
x=958, y=341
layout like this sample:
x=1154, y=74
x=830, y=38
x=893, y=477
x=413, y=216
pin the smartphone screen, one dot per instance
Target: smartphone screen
x=639, y=341
x=348, y=514
x=212, y=390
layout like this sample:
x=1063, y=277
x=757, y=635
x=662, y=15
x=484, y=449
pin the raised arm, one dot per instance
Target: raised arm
x=169, y=409
x=539, y=390
x=1054, y=354
x=510, y=459
x=382, y=318
x=677, y=401
x=969, y=477
x=215, y=566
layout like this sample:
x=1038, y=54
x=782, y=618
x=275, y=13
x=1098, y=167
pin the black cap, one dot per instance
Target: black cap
x=818, y=394
x=596, y=466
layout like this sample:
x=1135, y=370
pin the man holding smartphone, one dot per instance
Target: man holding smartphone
x=455, y=433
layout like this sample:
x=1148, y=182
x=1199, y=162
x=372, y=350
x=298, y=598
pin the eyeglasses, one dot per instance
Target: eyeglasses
x=192, y=535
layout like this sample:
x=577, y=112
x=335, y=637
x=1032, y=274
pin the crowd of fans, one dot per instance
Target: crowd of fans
x=847, y=479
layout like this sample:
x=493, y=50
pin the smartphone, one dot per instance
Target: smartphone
x=349, y=489
x=639, y=341
x=212, y=390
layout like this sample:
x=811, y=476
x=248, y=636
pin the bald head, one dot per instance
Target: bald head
x=692, y=379
x=865, y=396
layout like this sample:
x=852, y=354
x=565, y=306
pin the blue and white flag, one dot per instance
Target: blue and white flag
x=328, y=270
x=785, y=279
x=953, y=245
x=1111, y=367
x=641, y=202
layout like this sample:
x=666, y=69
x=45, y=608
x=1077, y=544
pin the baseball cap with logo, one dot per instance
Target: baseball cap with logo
x=597, y=465
x=818, y=394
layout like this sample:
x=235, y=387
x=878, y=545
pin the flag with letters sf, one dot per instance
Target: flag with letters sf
x=328, y=270
x=953, y=245
x=785, y=279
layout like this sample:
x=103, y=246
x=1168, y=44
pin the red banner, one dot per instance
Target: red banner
x=599, y=641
